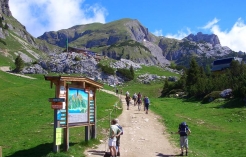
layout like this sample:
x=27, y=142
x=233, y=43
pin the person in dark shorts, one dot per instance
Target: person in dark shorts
x=128, y=98
x=146, y=104
x=119, y=133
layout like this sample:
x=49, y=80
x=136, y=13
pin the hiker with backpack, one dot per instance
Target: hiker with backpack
x=146, y=104
x=113, y=134
x=139, y=101
x=128, y=99
x=183, y=131
x=120, y=132
x=134, y=97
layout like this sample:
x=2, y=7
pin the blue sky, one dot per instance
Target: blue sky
x=169, y=18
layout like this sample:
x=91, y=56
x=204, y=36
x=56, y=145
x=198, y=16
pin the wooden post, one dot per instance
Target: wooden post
x=67, y=124
x=93, y=131
x=56, y=125
x=94, y=127
x=56, y=122
x=1, y=155
x=87, y=133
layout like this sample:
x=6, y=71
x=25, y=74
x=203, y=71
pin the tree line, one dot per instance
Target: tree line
x=197, y=82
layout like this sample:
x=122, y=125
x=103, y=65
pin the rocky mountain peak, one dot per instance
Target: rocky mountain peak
x=200, y=37
x=5, y=7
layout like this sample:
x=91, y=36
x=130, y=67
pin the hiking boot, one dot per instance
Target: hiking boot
x=182, y=154
x=118, y=153
x=186, y=153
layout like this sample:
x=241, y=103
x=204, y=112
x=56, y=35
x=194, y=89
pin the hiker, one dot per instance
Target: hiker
x=112, y=137
x=127, y=93
x=183, y=131
x=139, y=101
x=116, y=91
x=128, y=98
x=118, y=137
x=146, y=104
x=134, y=97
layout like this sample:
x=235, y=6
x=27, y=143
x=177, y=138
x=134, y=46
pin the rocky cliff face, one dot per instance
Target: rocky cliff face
x=5, y=7
x=14, y=33
x=138, y=32
x=199, y=37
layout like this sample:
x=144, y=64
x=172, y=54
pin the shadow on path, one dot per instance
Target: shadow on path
x=98, y=153
x=38, y=151
x=165, y=155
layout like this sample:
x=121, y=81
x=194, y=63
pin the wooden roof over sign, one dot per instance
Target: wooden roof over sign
x=65, y=79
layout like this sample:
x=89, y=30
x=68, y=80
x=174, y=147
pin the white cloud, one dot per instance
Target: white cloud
x=40, y=16
x=158, y=32
x=235, y=38
x=210, y=23
x=180, y=35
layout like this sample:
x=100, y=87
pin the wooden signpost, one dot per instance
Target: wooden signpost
x=56, y=103
x=69, y=114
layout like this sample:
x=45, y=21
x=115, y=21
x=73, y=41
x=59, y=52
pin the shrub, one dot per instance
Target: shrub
x=125, y=73
x=106, y=69
x=211, y=97
x=77, y=58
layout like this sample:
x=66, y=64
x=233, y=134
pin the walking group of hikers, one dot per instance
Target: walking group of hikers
x=137, y=101
x=116, y=130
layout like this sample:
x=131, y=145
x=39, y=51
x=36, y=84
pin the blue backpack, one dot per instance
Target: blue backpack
x=147, y=100
x=183, y=129
x=120, y=127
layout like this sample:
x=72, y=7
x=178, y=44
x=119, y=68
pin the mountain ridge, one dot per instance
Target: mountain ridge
x=99, y=38
x=121, y=39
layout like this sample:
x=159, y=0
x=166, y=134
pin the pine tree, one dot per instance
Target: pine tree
x=165, y=88
x=193, y=74
x=1, y=23
x=19, y=64
x=132, y=71
x=6, y=26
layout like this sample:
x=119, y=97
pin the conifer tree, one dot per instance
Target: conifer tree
x=193, y=74
x=6, y=26
x=132, y=71
x=1, y=23
x=19, y=64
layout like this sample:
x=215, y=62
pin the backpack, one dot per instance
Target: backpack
x=120, y=127
x=147, y=100
x=183, y=129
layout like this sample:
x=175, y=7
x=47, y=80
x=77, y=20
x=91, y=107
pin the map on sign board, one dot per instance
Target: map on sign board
x=77, y=105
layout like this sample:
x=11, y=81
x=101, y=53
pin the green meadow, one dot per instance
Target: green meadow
x=26, y=121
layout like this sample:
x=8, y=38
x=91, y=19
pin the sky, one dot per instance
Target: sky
x=170, y=18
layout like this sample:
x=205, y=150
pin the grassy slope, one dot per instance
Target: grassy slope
x=98, y=31
x=217, y=128
x=26, y=118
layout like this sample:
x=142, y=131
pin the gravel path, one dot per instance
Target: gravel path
x=7, y=69
x=144, y=135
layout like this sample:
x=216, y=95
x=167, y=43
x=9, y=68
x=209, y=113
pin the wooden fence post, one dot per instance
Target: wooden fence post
x=1, y=155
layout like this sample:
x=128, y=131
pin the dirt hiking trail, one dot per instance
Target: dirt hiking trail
x=144, y=135
x=7, y=70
